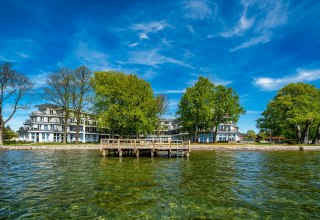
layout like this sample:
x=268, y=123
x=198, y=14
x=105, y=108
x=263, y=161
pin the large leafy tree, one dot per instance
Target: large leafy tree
x=162, y=104
x=294, y=110
x=13, y=87
x=196, y=107
x=204, y=106
x=250, y=135
x=227, y=107
x=125, y=104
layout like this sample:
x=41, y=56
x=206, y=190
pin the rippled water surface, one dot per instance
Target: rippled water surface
x=83, y=185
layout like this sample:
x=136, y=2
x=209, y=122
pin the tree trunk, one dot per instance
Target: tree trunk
x=298, y=132
x=65, y=126
x=78, y=129
x=196, y=133
x=305, y=136
x=1, y=130
x=215, y=134
x=317, y=135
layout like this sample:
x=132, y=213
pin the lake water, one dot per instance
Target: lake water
x=84, y=185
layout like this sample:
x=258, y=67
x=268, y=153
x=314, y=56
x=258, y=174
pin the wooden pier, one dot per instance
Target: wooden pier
x=131, y=147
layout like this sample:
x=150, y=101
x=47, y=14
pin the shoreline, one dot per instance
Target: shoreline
x=199, y=147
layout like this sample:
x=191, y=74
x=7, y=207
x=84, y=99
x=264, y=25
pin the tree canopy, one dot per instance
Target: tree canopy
x=204, y=106
x=292, y=112
x=8, y=133
x=124, y=103
x=250, y=135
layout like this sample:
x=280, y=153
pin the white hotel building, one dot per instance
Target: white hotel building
x=47, y=124
x=170, y=129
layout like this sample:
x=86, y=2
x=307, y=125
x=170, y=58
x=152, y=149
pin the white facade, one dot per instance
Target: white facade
x=47, y=124
x=170, y=129
x=226, y=133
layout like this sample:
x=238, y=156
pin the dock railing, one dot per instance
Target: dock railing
x=144, y=144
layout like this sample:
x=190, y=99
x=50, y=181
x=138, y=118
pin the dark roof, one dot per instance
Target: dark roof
x=48, y=105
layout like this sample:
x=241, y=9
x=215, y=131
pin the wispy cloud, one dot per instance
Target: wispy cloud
x=198, y=9
x=171, y=91
x=244, y=24
x=149, y=27
x=88, y=56
x=208, y=72
x=152, y=58
x=259, y=27
x=16, y=50
x=265, y=38
x=133, y=44
x=271, y=84
x=39, y=80
x=253, y=112
x=149, y=74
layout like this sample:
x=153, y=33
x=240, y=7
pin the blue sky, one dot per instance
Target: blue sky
x=255, y=47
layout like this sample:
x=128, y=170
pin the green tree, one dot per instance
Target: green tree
x=294, y=109
x=125, y=104
x=227, y=107
x=162, y=104
x=204, y=106
x=196, y=107
x=8, y=133
x=250, y=135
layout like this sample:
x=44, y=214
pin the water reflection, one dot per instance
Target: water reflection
x=82, y=184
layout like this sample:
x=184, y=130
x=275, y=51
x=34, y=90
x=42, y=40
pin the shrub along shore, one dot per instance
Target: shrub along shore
x=194, y=147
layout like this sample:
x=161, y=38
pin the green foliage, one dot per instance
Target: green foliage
x=205, y=106
x=196, y=106
x=250, y=135
x=125, y=104
x=8, y=133
x=227, y=105
x=292, y=112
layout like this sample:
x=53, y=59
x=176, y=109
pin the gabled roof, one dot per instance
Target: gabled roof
x=48, y=105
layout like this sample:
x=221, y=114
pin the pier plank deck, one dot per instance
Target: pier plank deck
x=136, y=146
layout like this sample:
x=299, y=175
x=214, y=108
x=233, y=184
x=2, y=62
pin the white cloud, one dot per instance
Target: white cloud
x=149, y=74
x=198, y=9
x=17, y=49
x=23, y=55
x=133, y=44
x=39, y=80
x=253, y=41
x=191, y=29
x=243, y=25
x=143, y=36
x=271, y=84
x=152, y=58
x=171, y=91
x=207, y=72
x=87, y=56
x=149, y=27
x=253, y=112
x=268, y=15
